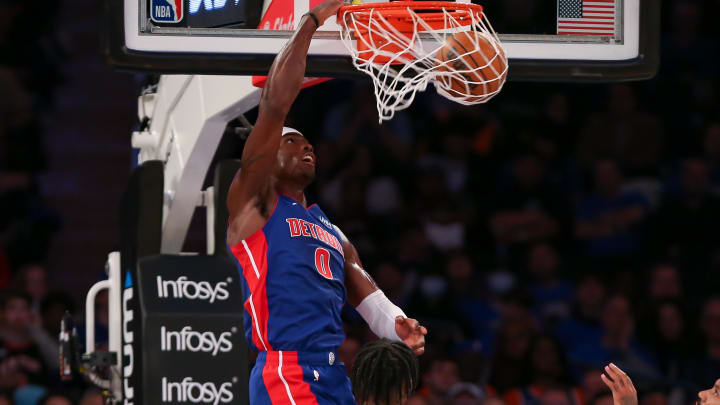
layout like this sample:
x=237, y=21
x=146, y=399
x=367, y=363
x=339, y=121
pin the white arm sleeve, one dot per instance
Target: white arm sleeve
x=380, y=314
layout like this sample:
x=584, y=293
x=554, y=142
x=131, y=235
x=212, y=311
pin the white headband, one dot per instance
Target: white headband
x=288, y=130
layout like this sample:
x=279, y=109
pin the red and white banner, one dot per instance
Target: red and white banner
x=280, y=15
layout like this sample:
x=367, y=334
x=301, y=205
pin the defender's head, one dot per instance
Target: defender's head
x=384, y=373
x=295, y=158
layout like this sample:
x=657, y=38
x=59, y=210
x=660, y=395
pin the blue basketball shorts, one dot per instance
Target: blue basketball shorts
x=299, y=378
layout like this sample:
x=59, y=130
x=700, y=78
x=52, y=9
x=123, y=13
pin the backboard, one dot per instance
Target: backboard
x=551, y=40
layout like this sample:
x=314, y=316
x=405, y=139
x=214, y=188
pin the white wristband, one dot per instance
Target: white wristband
x=380, y=314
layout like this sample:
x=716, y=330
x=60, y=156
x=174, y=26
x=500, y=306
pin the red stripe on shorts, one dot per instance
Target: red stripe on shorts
x=283, y=378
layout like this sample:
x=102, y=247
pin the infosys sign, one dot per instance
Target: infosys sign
x=192, y=342
x=196, y=392
x=188, y=340
x=183, y=288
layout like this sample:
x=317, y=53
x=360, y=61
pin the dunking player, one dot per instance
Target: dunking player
x=298, y=268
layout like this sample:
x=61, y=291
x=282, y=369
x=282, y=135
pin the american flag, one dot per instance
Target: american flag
x=586, y=17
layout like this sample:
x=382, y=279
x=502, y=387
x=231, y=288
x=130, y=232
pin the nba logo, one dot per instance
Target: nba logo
x=166, y=11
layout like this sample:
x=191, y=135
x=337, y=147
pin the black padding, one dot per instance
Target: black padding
x=141, y=211
x=140, y=228
x=224, y=174
x=192, y=336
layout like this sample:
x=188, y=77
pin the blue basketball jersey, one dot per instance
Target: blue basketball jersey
x=293, y=280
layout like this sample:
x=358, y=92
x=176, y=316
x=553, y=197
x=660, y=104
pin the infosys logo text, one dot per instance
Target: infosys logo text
x=192, y=290
x=195, y=392
x=190, y=340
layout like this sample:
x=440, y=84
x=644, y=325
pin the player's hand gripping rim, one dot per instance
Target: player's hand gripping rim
x=326, y=9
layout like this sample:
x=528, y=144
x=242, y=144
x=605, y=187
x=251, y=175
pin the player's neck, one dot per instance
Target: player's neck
x=294, y=192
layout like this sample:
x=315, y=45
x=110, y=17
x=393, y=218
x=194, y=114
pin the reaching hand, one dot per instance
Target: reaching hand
x=326, y=9
x=412, y=333
x=623, y=390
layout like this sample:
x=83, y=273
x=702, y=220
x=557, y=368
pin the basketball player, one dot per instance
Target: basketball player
x=710, y=396
x=385, y=372
x=622, y=388
x=624, y=393
x=298, y=269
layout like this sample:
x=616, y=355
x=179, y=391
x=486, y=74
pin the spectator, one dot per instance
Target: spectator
x=465, y=394
x=52, y=309
x=592, y=384
x=609, y=221
x=414, y=252
x=354, y=121
x=29, y=394
x=92, y=396
x=394, y=282
x=550, y=380
x=453, y=161
x=705, y=369
x=654, y=397
x=559, y=122
x=556, y=397
x=617, y=344
x=585, y=323
x=509, y=368
x=493, y=401
x=440, y=376
x=32, y=279
x=602, y=398
x=358, y=169
x=687, y=223
x=468, y=300
x=56, y=398
x=443, y=215
x=21, y=358
x=5, y=269
x=552, y=295
x=5, y=398
x=665, y=283
x=528, y=208
x=668, y=335
x=624, y=133
x=417, y=399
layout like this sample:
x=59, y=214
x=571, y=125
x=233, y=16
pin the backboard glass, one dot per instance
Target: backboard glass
x=559, y=40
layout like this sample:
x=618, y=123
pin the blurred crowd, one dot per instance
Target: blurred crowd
x=31, y=58
x=538, y=237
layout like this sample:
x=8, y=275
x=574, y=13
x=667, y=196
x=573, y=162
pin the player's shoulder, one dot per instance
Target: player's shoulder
x=343, y=239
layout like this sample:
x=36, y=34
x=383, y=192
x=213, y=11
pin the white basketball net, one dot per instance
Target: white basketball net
x=397, y=77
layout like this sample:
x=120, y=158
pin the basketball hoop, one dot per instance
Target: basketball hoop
x=404, y=45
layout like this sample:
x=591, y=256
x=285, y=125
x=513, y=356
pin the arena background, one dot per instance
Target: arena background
x=538, y=237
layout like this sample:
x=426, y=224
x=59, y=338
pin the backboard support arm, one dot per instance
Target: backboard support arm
x=188, y=115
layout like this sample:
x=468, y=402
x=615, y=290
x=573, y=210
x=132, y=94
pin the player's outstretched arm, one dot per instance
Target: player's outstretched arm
x=282, y=87
x=623, y=390
x=385, y=319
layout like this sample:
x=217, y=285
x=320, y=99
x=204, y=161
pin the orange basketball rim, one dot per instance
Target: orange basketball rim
x=400, y=22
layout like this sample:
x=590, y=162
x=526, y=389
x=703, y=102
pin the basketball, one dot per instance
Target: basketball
x=480, y=67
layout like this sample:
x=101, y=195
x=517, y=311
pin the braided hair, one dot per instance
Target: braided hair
x=384, y=373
